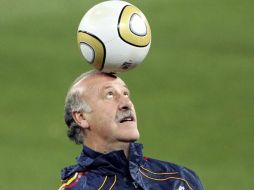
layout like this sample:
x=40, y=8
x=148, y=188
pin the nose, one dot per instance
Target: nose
x=125, y=104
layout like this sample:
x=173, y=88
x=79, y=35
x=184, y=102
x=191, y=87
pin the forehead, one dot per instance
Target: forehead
x=99, y=82
x=104, y=81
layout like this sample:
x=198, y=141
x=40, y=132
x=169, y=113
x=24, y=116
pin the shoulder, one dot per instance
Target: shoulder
x=72, y=182
x=156, y=164
x=83, y=181
x=154, y=168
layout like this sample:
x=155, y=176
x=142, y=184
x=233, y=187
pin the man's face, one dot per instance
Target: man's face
x=113, y=117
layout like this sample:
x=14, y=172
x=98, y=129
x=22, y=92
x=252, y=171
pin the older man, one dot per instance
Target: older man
x=100, y=116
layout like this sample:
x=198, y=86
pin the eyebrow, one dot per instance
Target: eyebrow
x=107, y=87
x=111, y=86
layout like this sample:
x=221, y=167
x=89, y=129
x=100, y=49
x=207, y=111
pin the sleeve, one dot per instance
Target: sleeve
x=71, y=182
x=193, y=179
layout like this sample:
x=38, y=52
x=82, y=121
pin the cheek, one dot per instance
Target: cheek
x=103, y=111
x=106, y=109
x=103, y=117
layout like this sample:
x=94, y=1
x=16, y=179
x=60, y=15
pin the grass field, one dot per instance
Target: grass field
x=193, y=94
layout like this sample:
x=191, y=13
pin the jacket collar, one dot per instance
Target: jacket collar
x=106, y=164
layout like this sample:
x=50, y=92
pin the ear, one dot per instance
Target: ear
x=80, y=119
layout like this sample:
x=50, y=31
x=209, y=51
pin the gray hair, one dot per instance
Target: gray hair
x=74, y=103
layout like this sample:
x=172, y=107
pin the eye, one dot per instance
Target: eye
x=109, y=94
x=126, y=93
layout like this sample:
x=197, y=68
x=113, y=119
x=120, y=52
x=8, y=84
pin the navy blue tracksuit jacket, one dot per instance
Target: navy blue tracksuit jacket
x=112, y=171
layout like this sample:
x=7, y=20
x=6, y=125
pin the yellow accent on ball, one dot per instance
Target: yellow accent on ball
x=124, y=27
x=97, y=46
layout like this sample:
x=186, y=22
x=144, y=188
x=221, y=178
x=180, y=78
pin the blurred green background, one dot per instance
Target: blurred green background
x=193, y=94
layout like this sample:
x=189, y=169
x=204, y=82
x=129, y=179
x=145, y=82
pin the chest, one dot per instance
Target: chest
x=124, y=183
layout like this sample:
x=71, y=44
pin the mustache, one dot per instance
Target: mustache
x=124, y=114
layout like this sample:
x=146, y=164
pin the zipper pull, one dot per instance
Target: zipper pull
x=135, y=184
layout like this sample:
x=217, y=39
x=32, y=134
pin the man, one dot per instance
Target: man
x=100, y=116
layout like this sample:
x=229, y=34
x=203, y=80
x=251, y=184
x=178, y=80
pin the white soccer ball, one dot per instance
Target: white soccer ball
x=114, y=36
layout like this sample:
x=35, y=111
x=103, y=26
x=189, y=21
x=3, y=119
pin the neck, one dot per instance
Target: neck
x=105, y=148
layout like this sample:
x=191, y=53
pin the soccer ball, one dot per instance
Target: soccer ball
x=114, y=36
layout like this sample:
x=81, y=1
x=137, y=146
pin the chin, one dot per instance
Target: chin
x=128, y=132
x=131, y=137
